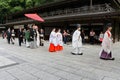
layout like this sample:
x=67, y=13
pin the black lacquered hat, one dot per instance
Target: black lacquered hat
x=78, y=25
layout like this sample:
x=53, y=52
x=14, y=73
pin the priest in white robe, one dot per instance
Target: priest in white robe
x=106, y=49
x=77, y=41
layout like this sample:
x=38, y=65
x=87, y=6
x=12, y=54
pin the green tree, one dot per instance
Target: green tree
x=29, y=4
x=16, y=9
x=12, y=6
x=4, y=9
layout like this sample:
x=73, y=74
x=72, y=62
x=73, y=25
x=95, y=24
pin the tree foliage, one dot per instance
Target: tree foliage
x=12, y=6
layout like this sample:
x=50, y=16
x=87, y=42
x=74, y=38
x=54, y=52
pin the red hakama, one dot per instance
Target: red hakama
x=52, y=48
x=59, y=48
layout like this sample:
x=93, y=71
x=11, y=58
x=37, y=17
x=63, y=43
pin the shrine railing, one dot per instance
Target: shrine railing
x=69, y=11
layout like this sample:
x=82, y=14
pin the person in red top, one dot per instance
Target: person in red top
x=105, y=52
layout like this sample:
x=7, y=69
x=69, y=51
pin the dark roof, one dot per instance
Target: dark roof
x=47, y=5
x=59, y=4
x=73, y=17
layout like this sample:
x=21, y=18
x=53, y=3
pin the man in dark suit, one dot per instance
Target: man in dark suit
x=8, y=33
x=20, y=36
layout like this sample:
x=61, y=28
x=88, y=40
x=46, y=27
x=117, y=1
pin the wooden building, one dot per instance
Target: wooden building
x=92, y=14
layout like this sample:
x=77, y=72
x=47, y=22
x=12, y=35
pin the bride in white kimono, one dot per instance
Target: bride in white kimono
x=77, y=42
x=105, y=52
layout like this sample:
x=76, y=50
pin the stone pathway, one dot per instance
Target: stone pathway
x=4, y=62
x=39, y=64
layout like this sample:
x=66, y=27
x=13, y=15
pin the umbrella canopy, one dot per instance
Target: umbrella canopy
x=34, y=17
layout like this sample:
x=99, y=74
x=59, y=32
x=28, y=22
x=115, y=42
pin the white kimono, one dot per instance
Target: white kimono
x=77, y=42
x=107, y=42
x=59, y=39
x=53, y=38
x=38, y=38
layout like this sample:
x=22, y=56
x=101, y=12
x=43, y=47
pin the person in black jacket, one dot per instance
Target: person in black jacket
x=8, y=33
x=83, y=36
x=20, y=36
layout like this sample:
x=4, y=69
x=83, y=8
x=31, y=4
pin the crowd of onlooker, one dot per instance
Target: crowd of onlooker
x=32, y=36
x=92, y=37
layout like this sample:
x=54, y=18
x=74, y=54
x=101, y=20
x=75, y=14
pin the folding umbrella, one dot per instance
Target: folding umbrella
x=34, y=17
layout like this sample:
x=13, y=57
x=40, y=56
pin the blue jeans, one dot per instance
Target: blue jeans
x=65, y=40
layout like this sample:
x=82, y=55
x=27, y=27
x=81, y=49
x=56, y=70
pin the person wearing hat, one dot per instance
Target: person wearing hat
x=77, y=41
x=105, y=52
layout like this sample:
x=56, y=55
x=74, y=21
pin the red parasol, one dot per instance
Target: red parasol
x=34, y=17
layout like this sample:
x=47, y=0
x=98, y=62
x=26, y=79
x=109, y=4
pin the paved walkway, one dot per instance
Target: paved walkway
x=39, y=64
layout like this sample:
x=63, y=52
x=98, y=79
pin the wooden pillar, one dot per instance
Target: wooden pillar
x=91, y=4
x=119, y=31
x=116, y=30
x=113, y=31
x=104, y=27
x=65, y=25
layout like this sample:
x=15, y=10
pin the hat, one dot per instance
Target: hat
x=109, y=25
x=78, y=25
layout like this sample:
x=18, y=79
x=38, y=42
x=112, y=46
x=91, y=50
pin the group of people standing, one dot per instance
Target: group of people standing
x=94, y=38
x=106, y=39
x=33, y=37
x=56, y=43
